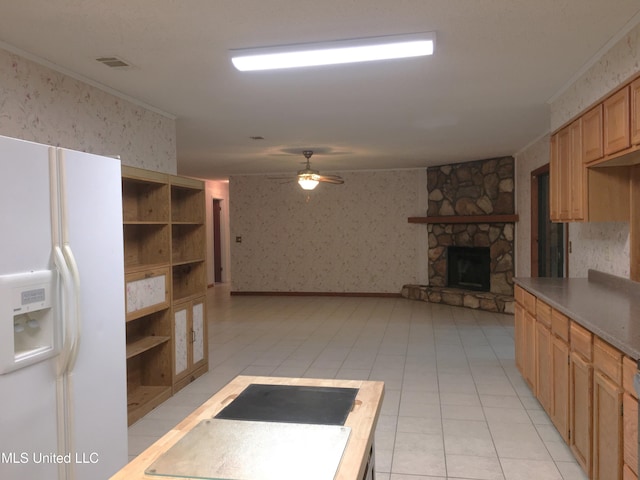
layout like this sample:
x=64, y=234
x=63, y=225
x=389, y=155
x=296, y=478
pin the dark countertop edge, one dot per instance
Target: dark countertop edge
x=600, y=282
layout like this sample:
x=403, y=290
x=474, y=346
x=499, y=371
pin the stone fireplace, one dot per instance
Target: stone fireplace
x=471, y=208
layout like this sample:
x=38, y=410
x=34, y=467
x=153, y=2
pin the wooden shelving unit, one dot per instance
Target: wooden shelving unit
x=189, y=282
x=164, y=246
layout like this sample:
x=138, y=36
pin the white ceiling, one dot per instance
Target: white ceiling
x=483, y=94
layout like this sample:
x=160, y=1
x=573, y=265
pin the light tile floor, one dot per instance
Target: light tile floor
x=455, y=406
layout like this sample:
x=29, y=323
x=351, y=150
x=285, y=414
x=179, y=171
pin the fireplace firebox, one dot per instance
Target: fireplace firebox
x=469, y=268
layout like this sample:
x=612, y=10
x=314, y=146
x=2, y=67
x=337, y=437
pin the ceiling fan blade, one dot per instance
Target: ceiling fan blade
x=331, y=179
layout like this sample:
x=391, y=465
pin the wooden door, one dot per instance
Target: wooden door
x=560, y=386
x=217, y=242
x=181, y=339
x=543, y=367
x=607, y=429
x=580, y=410
x=617, y=133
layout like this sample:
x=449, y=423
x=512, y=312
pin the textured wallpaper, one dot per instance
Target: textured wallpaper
x=614, y=68
x=601, y=246
x=346, y=238
x=44, y=106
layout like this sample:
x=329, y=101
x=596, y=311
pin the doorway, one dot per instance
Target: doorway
x=548, y=239
x=217, y=247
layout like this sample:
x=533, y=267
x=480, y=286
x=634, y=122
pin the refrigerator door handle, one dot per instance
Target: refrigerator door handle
x=75, y=293
x=67, y=289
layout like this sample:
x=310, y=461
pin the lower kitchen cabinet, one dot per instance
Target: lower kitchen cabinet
x=585, y=384
x=560, y=386
x=581, y=410
x=607, y=428
x=190, y=341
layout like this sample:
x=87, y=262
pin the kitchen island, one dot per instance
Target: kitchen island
x=355, y=462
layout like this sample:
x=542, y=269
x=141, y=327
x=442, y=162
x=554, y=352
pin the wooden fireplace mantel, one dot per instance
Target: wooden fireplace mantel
x=466, y=219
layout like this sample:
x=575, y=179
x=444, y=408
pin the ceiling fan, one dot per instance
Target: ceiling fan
x=307, y=178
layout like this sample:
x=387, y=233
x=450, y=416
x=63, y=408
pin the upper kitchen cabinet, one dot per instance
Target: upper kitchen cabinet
x=635, y=112
x=617, y=134
x=592, y=148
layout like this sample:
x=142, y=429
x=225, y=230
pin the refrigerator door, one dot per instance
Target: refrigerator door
x=28, y=395
x=98, y=380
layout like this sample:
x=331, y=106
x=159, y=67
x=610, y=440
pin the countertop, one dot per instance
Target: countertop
x=607, y=305
x=362, y=421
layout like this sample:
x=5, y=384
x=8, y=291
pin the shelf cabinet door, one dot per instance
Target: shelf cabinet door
x=581, y=410
x=190, y=337
x=560, y=388
x=543, y=366
x=607, y=429
x=617, y=133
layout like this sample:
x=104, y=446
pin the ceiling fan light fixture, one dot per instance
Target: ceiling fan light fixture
x=307, y=182
x=334, y=52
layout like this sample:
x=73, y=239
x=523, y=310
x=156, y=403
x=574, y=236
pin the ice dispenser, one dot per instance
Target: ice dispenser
x=28, y=319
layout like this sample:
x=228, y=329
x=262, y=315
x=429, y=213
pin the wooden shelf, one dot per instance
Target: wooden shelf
x=145, y=398
x=466, y=219
x=141, y=345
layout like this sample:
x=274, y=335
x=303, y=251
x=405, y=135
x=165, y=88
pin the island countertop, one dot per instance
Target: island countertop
x=362, y=420
x=606, y=305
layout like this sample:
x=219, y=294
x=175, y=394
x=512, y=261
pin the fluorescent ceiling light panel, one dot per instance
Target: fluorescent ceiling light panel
x=332, y=53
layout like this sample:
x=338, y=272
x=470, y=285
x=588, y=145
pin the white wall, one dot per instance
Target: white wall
x=45, y=106
x=346, y=238
x=601, y=246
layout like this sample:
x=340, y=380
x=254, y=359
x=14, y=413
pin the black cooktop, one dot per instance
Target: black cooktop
x=291, y=404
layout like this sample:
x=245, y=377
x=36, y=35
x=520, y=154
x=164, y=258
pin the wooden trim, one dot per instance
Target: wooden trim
x=635, y=224
x=319, y=294
x=535, y=217
x=466, y=219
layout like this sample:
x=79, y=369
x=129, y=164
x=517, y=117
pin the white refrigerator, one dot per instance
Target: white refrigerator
x=63, y=403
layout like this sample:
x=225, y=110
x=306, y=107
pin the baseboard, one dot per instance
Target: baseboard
x=321, y=294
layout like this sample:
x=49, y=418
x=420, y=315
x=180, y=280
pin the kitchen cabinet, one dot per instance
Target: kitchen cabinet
x=543, y=356
x=560, y=366
x=519, y=341
x=635, y=112
x=617, y=133
x=164, y=246
x=581, y=396
x=568, y=175
x=554, y=181
x=607, y=428
x=592, y=140
x=630, y=420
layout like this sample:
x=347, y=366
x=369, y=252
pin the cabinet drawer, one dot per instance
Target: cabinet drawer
x=560, y=325
x=629, y=369
x=607, y=359
x=543, y=313
x=529, y=302
x=518, y=293
x=581, y=341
